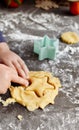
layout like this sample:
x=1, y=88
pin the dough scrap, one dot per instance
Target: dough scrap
x=45, y=4
x=7, y=102
x=20, y=117
x=42, y=90
x=70, y=37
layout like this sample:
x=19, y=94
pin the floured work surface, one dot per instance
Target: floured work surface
x=42, y=90
x=21, y=27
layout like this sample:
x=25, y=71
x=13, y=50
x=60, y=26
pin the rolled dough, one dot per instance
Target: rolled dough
x=42, y=90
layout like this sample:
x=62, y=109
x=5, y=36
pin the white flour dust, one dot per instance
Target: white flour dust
x=16, y=36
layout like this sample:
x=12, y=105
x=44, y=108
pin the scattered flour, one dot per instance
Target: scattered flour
x=18, y=36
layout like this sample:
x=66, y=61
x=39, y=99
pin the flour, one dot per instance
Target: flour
x=18, y=36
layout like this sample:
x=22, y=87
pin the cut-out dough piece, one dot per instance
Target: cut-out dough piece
x=70, y=37
x=42, y=90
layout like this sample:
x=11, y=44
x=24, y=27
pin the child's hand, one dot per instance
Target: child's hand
x=11, y=59
x=8, y=75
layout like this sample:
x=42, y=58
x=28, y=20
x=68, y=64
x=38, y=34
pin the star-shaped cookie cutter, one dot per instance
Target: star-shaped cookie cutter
x=46, y=48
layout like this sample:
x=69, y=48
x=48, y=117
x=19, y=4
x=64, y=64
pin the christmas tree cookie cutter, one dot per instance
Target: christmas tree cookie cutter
x=46, y=48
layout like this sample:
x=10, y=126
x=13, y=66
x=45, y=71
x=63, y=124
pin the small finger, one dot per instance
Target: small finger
x=21, y=81
x=19, y=70
x=9, y=64
x=24, y=68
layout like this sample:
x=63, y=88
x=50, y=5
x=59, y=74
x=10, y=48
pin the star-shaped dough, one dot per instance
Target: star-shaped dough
x=46, y=48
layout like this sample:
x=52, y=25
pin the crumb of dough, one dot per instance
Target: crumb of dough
x=70, y=37
x=20, y=117
x=45, y=4
x=7, y=102
x=42, y=90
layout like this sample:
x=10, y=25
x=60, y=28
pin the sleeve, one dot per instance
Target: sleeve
x=2, y=39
